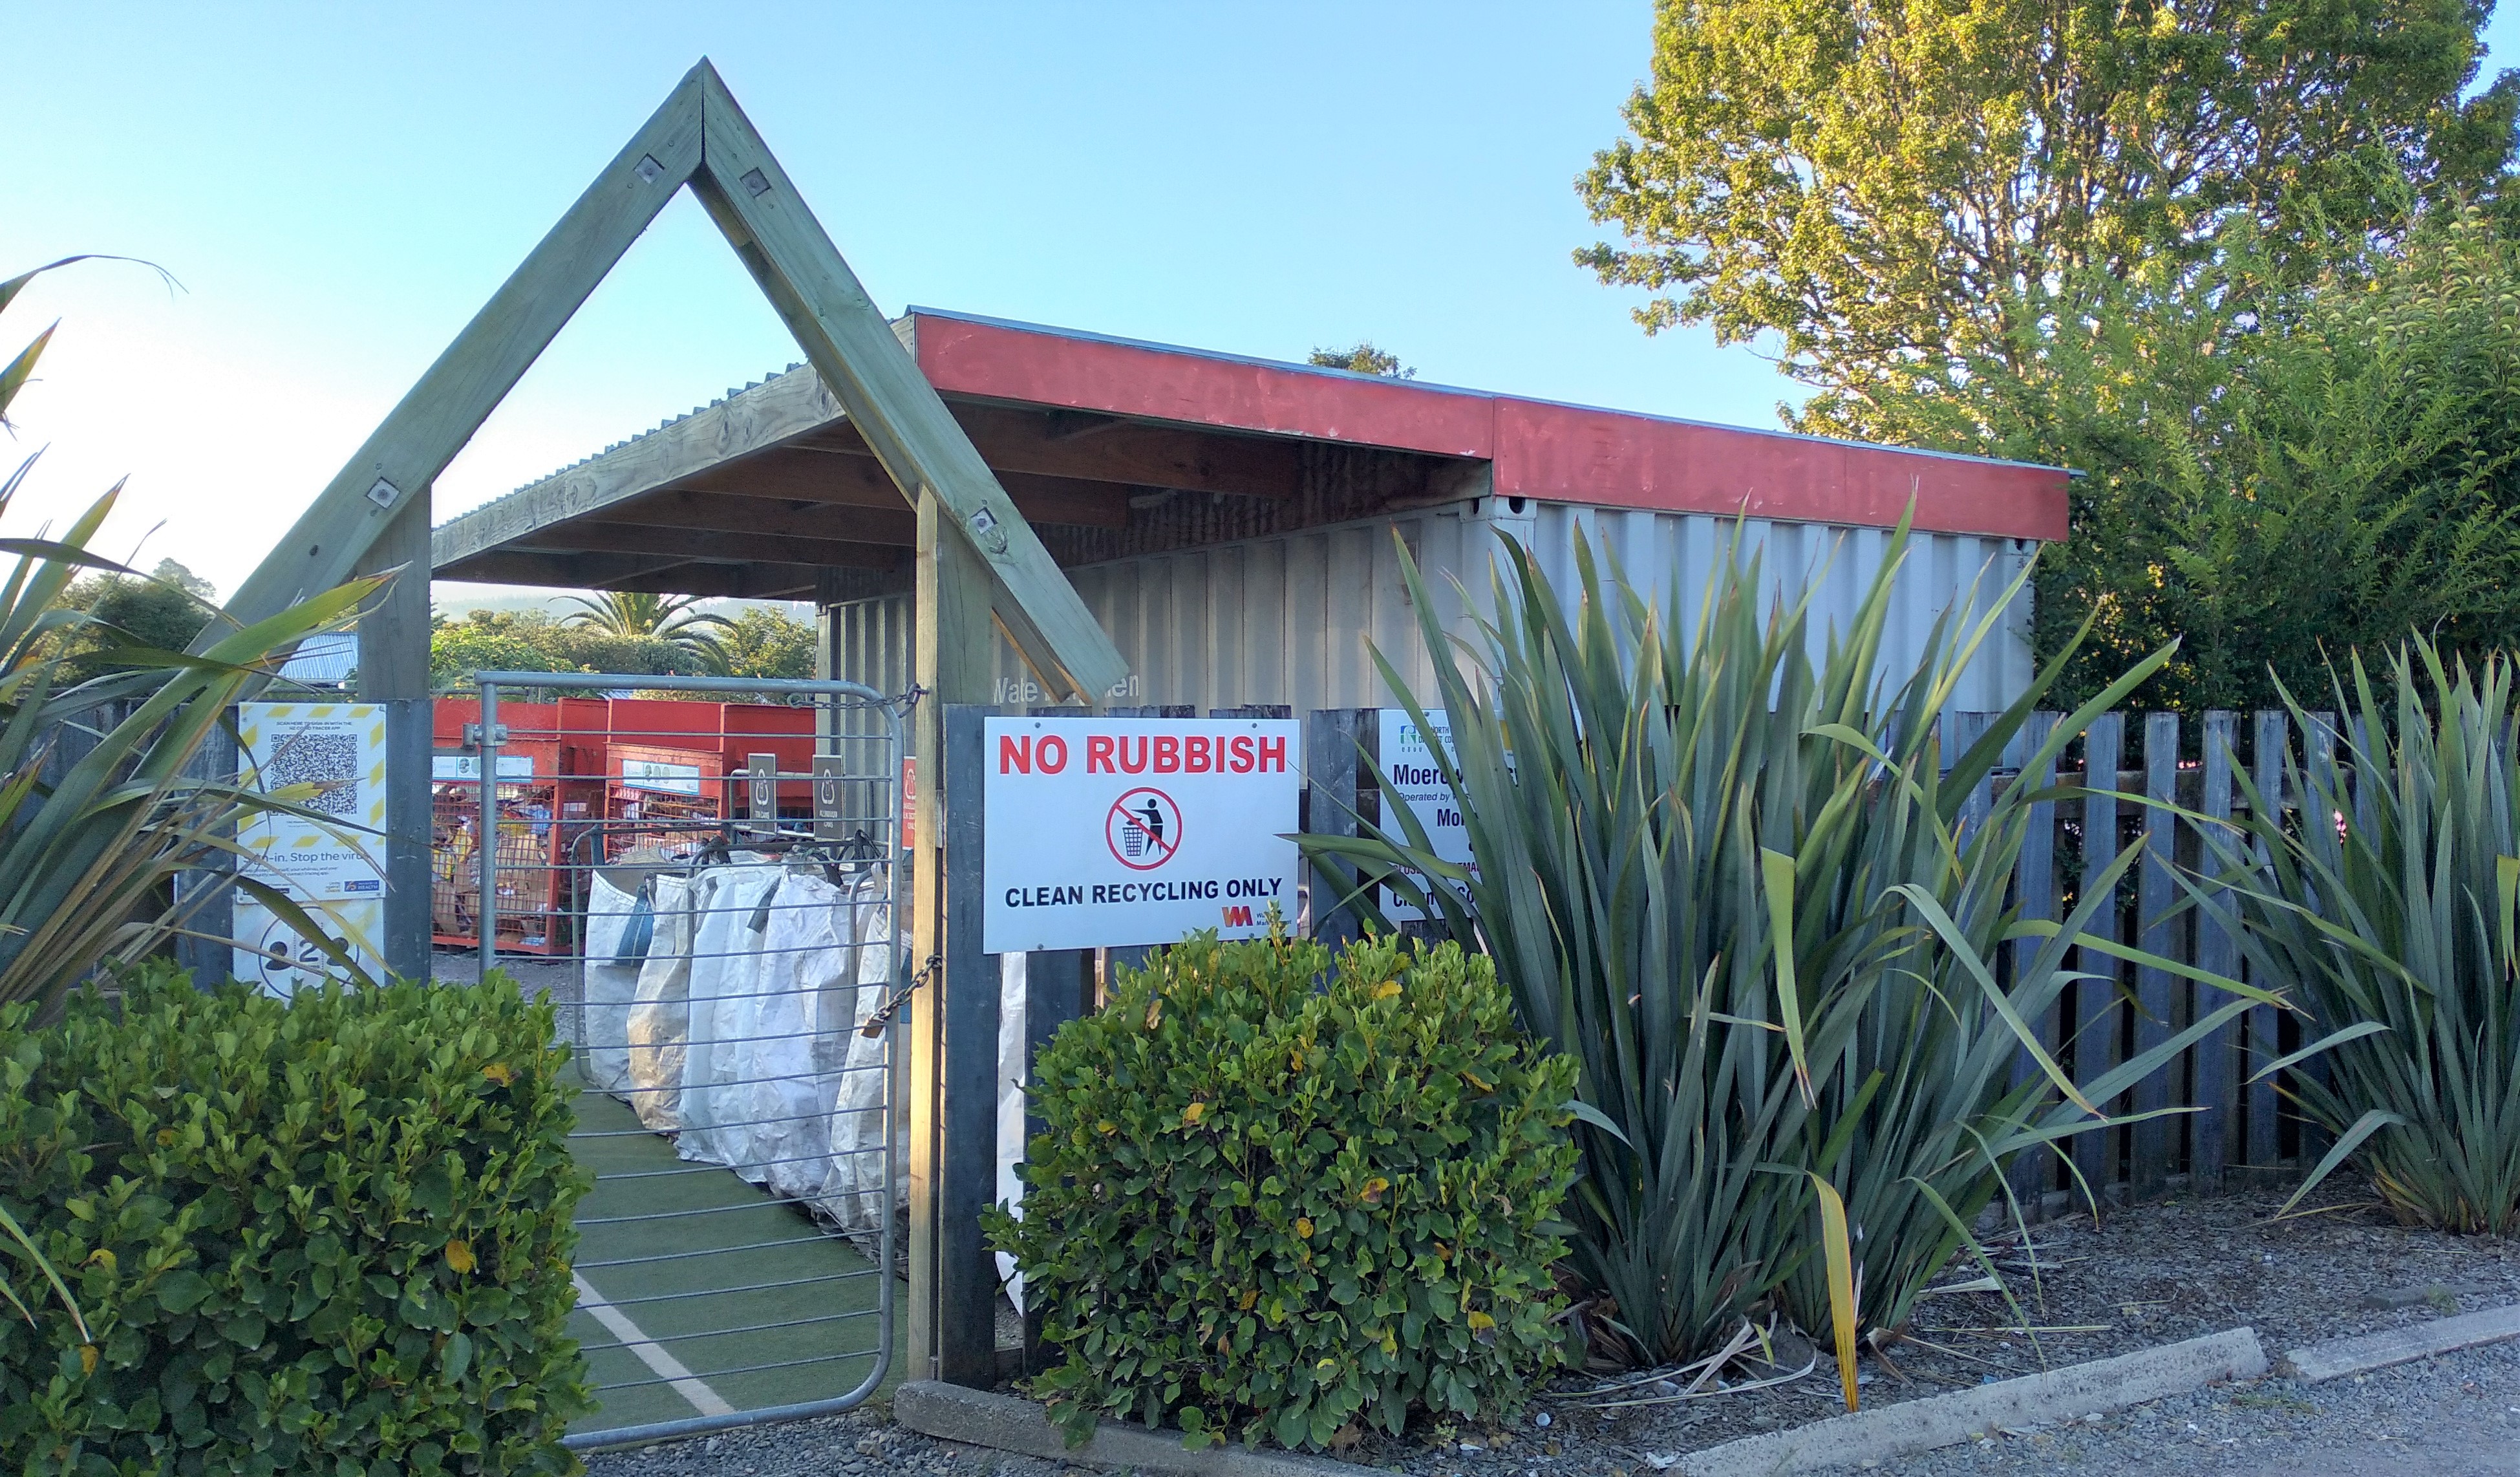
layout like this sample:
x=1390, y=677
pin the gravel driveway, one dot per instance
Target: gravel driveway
x=2457, y=1416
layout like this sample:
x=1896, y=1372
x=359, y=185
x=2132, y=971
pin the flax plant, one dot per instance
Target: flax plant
x=2388, y=909
x=1734, y=882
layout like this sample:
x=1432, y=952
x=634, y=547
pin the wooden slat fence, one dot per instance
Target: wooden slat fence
x=2246, y=1132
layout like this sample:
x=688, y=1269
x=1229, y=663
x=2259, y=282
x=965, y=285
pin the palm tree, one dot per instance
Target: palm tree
x=656, y=618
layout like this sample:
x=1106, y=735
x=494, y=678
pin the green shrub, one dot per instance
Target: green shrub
x=329, y=1235
x=1263, y=1205
x=1723, y=866
x=2400, y=932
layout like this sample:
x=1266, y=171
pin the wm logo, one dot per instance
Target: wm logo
x=1237, y=917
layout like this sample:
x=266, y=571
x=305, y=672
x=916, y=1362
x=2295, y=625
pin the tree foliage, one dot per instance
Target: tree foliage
x=761, y=641
x=161, y=611
x=640, y=616
x=2275, y=474
x=1362, y=357
x=1886, y=189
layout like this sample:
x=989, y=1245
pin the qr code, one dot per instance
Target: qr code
x=329, y=761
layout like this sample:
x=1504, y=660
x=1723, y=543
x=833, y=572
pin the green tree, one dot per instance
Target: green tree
x=1363, y=358
x=2275, y=475
x=533, y=641
x=1881, y=192
x=162, y=611
x=660, y=618
x=764, y=641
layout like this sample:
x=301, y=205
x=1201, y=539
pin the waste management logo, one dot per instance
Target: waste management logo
x=1104, y=832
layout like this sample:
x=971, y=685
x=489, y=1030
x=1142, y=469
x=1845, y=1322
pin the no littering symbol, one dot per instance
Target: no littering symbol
x=1143, y=828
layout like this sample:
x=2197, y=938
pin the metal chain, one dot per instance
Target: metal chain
x=892, y=1004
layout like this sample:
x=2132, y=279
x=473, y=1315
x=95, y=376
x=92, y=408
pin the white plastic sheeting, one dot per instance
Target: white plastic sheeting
x=742, y=1026
x=661, y=1009
x=852, y=1190
x=1013, y=985
x=610, y=987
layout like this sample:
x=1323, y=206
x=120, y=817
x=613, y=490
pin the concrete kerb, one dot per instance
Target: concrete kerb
x=2338, y=1358
x=1009, y=1423
x=2095, y=1388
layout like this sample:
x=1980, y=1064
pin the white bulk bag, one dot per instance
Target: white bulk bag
x=603, y=1027
x=853, y=1190
x=729, y=1042
x=661, y=1009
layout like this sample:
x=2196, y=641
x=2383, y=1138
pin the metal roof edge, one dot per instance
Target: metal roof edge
x=1256, y=361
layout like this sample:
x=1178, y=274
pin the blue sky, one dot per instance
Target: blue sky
x=338, y=188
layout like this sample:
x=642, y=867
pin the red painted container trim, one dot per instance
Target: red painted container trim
x=1539, y=448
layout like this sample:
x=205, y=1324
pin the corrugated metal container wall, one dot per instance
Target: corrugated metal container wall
x=1296, y=618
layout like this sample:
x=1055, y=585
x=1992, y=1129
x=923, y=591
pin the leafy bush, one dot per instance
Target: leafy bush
x=329, y=1235
x=1267, y=1206
x=102, y=804
x=2397, y=931
x=1732, y=885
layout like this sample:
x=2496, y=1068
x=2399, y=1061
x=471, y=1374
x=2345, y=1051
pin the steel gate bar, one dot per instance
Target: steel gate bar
x=568, y=856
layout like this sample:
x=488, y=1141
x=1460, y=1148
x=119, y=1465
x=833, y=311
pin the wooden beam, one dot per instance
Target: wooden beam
x=794, y=518
x=789, y=405
x=394, y=671
x=569, y=572
x=954, y=1047
x=729, y=581
x=398, y=462
x=859, y=357
x=1132, y=455
x=708, y=546
x=848, y=474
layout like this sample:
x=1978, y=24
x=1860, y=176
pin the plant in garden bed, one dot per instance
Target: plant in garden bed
x=89, y=848
x=324, y=1234
x=2392, y=913
x=1732, y=885
x=1275, y=1209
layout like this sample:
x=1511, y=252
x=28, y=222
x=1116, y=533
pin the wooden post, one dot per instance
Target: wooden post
x=2216, y=1135
x=1058, y=988
x=2149, y=1155
x=394, y=671
x=953, y=1043
x=2096, y=1000
x=2035, y=886
x=2265, y=1150
x=1330, y=738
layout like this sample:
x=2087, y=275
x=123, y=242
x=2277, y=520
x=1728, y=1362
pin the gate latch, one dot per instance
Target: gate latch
x=893, y=1002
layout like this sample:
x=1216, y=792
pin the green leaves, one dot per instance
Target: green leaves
x=1269, y=1209
x=2393, y=925
x=1725, y=873
x=258, y=1198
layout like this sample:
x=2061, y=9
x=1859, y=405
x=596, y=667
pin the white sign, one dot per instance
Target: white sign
x=1410, y=764
x=272, y=953
x=467, y=767
x=661, y=775
x=335, y=753
x=1120, y=831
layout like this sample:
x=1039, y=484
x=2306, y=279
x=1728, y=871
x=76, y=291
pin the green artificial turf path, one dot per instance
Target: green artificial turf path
x=811, y=1339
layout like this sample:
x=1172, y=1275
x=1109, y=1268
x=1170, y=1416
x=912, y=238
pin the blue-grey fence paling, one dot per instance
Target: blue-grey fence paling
x=2149, y=777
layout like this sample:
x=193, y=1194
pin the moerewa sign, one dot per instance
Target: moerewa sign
x=1120, y=831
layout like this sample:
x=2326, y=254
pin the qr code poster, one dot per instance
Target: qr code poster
x=332, y=757
x=270, y=951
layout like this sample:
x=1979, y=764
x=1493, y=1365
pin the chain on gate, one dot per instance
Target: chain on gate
x=711, y=883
